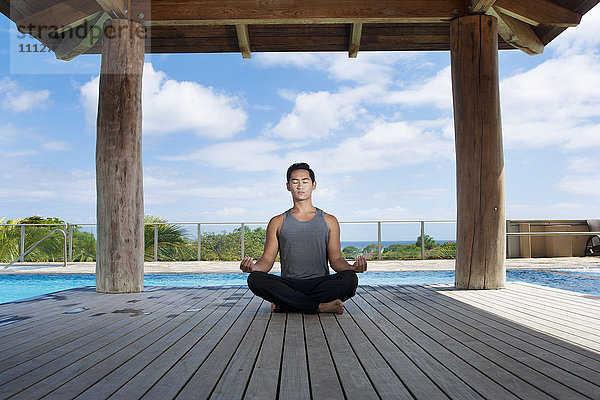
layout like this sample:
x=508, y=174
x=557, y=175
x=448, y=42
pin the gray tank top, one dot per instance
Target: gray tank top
x=303, y=246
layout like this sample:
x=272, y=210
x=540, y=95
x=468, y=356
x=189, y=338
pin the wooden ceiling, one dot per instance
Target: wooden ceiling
x=72, y=27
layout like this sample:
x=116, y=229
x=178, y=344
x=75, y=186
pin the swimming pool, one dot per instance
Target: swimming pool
x=15, y=287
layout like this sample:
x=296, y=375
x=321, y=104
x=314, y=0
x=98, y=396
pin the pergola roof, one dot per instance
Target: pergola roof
x=221, y=26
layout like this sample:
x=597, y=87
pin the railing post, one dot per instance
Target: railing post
x=65, y=247
x=422, y=240
x=199, y=243
x=68, y=228
x=379, y=240
x=507, y=241
x=243, y=244
x=155, y=242
x=22, y=252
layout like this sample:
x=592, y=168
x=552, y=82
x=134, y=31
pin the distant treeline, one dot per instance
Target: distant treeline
x=175, y=243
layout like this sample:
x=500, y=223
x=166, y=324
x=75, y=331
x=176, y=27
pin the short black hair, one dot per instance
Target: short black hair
x=300, y=165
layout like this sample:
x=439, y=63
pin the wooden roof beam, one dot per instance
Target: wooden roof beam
x=115, y=8
x=243, y=40
x=355, y=35
x=250, y=12
x=538, y=12
x=480, y=6
x=517, y=33
x=73, y=45
x=66, y=14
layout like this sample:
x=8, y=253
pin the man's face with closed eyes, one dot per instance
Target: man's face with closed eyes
x=300, y=185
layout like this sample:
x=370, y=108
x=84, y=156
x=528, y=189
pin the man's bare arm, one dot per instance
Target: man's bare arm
x=265, y=263
x=334, y=249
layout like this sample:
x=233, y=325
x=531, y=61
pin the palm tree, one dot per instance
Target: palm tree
x=173, y=241
x=10, y=237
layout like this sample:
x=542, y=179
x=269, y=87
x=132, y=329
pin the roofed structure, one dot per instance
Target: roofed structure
x=123, y=31
x=218, y=26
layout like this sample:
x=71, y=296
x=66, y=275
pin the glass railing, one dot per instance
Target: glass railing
x=231, y=241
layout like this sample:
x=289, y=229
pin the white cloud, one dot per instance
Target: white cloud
x=8, y=133
x=378, y=214
x=546, y=209
x=21, y=153
x=18, y=100
x=171, y=106
x=585, y=184
x=368, y=67
x=233, y=213
x=582, y=39
x=258, y=154
x=88, y=95
x=555, y=104
x=171, y=193
x=583, y=178
x=56, y=146
x=583, y=164
x=435, y=91
x=385, y=145
x=41, y=190
x=315, y=115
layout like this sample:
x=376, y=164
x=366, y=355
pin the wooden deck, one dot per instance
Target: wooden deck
x=394, y=342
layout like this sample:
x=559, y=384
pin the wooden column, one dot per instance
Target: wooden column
x=481, y=230
x=120, y=203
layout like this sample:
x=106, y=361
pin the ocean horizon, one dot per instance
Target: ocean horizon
x=361, y=244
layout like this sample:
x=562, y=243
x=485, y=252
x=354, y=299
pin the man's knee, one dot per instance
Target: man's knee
x=349, y=283
x=350, y=278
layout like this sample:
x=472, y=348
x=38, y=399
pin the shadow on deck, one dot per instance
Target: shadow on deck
x=424, y=342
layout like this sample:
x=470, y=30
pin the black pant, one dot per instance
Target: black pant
x=302, y=295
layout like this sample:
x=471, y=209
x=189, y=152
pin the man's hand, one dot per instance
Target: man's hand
x=360, y=265
x=247, y=265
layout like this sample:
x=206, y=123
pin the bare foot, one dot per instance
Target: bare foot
x=335, y=306
x=273, y=307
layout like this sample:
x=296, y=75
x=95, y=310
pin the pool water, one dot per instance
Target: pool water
x=15, y=287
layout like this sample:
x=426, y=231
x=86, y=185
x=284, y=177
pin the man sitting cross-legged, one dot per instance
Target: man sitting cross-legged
x=307, y=239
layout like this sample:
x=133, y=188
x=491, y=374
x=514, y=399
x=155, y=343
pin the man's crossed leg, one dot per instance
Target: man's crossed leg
x=322, y=294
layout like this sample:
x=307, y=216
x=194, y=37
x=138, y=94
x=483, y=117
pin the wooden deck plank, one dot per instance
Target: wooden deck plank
x=503, y=326
x=31, y=366
x=531, y=320
x=566, y=297
x=46, y=319
x=233, y=382
x=429, y=337
x=393, y=342
x=507, y=365
x=172, y=369
x=207, y=376
x=178, y=318
x=573, y=302
x=264, y=380
x=384, y=379
x=35, y=304
x=539, y=308
x=145, y=366
x=294, y=381
x=355, y=381
x=534, y=343
x=324, y=381
x=76, y=325
x=415, y=380
x=47, y=310
x=436, y=370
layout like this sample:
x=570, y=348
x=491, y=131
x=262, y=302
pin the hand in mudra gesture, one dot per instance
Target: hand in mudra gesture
x=247, y=265
x=360, y=265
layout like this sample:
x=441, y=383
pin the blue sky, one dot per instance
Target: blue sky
x=219, y=132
